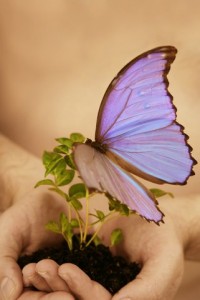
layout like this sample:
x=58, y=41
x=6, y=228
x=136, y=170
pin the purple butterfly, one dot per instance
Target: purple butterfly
x=137, y=131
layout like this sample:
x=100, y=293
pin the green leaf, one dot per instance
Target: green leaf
x=100, y=215
x=48, y=157
x=77, y=190
x=63, y=149
x=70, y=162
x=159, y=193
x=53, y=226
x=116, y=237
x=74, y=223
x=65, y=141
x=45, y=182
x=65, y=177
x=124, y=210
x=76, y=203
x=60, y=166
x=116, y=205
x=77, y=137
x=64, y=223
x=57, y=161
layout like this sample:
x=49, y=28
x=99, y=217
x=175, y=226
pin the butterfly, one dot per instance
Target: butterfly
x=137, y=134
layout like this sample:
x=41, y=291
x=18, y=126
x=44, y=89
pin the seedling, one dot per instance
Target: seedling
x=60, y=171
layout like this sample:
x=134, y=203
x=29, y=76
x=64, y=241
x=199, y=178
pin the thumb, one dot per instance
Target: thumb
x=11, y=282
x=159, y=279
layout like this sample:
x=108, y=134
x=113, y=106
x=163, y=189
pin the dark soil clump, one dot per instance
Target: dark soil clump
x=113, y=272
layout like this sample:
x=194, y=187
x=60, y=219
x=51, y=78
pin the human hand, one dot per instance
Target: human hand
x=26, y=211
x=23, y=225
x=160, y=250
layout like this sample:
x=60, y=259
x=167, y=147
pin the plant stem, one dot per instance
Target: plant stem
x=95, y=234
x=80, y=225
x=69, y=213
x=110, y=216
x=86, y=217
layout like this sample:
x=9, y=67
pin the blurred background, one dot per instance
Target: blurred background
x=57, y=58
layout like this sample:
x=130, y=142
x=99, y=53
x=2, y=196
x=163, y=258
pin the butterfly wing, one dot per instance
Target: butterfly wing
x=137, y=121
x=100, y=173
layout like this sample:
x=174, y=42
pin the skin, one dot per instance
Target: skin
x=56, y=61
x=26, y=216
x=28, y=213
x=162, y=262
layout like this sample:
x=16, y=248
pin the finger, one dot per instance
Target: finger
x=37, y=295
x=11, y=283
x=81, y=285
x=48, y=270
x=32, y=278
x=159, y=279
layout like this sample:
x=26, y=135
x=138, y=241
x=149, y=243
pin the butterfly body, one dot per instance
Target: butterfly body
x=137, y=134
x=98, y=146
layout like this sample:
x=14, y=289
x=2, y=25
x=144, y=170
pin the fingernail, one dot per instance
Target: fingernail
x=126, y=298
x=7, y=288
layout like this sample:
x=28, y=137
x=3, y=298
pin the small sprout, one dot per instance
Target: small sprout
x=60, y=165
x=116, y=237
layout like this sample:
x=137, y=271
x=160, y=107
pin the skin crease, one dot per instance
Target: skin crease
x=56, y=62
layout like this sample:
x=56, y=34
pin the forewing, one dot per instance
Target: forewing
x=137, y=100
x=137, y=121
x=100, y=173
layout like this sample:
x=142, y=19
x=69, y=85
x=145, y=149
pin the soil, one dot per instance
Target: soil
x=113, y=272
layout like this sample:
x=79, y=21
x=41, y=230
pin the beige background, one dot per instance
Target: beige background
x=57, y=57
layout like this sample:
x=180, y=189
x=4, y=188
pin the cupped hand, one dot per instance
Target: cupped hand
x=22, y=231
x=160, y=250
